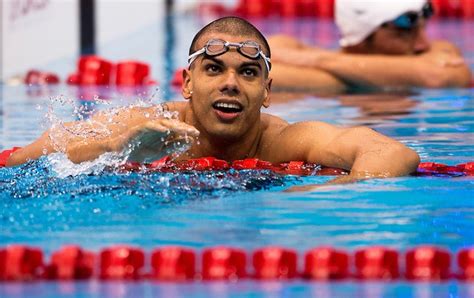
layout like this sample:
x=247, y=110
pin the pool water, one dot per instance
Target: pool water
x=246, y=209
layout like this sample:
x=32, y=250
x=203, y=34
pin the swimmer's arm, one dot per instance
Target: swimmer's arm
x=41, y=146
x=361, y=150
x=442, y=66
x=289, y=76
x=126, y=126
x=77, y=151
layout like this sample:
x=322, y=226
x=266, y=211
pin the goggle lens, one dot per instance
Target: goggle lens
x=410, y=19
x=215, y=47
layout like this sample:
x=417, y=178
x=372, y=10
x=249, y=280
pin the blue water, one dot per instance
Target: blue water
x=246, y=209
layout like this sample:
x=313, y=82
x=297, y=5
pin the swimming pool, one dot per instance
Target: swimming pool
x=251, y=210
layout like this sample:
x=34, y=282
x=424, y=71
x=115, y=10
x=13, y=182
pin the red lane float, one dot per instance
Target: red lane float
x=121, y=262
x=427, y=263
x=223, y=263
x=177, y=80
x=71, y=262
x=466, y=264
x=5, y=154
x=377, y=263
x=36, y=77
x=300, y=168
x=19, y=262
x=173, y=263
x=324, y=263
x=92, y=70
x=275, y=263
x=132, y=73
x=95, y=70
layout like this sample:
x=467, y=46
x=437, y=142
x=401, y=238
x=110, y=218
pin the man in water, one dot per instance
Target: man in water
x=383, y=44
x=226, y=85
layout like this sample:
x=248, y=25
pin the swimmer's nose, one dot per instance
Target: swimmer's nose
x=230, y=85
x=422, y=42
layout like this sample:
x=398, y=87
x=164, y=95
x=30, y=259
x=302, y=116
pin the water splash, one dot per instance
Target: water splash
x=40, y=180
x=94, y=125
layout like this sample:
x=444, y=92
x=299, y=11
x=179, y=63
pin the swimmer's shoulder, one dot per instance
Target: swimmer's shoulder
x=272, y=126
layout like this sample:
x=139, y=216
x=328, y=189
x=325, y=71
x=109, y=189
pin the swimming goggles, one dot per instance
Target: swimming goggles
x=411, y=19
x=215, y=47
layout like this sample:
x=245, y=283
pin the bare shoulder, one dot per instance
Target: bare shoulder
x=272, y=124
x=293, y=141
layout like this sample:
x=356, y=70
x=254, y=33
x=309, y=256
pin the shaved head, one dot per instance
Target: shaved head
x=231, y=26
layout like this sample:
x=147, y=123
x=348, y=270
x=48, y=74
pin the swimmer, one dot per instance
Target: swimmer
x=226, y=84
x=384, y=44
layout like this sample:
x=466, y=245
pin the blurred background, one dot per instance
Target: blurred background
x=52, y=34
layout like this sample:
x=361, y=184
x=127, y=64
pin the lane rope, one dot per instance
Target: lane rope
x=175, y=263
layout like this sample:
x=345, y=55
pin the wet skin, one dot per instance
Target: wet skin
x=225, y=94
x=228, y=80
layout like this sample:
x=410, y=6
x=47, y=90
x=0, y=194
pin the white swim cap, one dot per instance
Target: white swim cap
x=357, y=19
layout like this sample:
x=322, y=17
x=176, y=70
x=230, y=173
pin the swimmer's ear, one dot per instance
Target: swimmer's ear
x=268, y=87
x=187, y=86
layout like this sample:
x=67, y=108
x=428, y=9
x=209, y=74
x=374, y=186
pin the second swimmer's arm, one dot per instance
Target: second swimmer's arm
x=441, y=66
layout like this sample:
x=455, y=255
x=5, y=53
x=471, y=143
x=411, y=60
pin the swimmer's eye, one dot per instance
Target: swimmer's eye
x=249, y=72
x=213, y=68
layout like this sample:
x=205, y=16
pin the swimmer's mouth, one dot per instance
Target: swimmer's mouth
x=228, y=107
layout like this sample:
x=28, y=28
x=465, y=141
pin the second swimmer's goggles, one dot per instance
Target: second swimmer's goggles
x=215, y=47
x=410, y=19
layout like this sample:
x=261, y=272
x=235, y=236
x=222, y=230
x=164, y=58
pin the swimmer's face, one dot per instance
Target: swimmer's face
x=389, y=40
x=228, y=91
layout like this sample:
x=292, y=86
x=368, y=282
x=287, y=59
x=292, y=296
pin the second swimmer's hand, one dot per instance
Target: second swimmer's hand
x=154, y=139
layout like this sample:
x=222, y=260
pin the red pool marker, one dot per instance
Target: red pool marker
x=288, y=8
x=203, y=164
x=212, y=9
x=92, y=70
x=73, y=79
x=71, y=262
x=5, y=154
x=427, y=263
x=307, y=8
x=376, y=263
x=177, y=80
x=326, y=263
x=253, y=8
x=466, y=263
x=275, y=263
x=251, y=163
x=36, y=77
x=295, y=168
x=121, y=262
x=131, y=73
x=245, y=164
x=223, y=263
x=467, y=8
x=325, y=8
x=20, y=263
x=466, y=168
x=173, y=263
